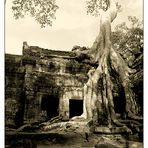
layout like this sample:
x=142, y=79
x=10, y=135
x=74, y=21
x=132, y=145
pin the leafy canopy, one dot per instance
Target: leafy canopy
x=94, y=6
x=42, y=10
x=128, y=39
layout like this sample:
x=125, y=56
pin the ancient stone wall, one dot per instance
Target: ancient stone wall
x=39, y=77
x=14, y=89
x=51, y=73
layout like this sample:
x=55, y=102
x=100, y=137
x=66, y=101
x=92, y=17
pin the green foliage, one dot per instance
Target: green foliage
x=135, y=22
x=128, y=39
x=42, y=10
x=94, y=6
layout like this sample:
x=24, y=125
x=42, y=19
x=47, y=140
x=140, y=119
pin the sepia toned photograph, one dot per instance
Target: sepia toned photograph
x=73, y=73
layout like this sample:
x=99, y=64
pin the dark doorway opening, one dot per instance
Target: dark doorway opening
x=120, y=103
x=50, y=104
x=75, y=108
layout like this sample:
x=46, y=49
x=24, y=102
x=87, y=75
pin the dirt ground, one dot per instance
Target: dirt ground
x=80, y=141
x=71, y=135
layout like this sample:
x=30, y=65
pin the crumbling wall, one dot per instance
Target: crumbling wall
x=51, y=73
x=40, y=72
x=14, y=89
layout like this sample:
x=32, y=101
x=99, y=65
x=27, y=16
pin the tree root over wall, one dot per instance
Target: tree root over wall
x=98, y=91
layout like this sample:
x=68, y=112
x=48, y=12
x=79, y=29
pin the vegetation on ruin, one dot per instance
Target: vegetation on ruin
x=112, y=55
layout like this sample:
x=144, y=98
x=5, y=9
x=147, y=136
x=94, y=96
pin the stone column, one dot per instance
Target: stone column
x=30, y=104
x=65, y=107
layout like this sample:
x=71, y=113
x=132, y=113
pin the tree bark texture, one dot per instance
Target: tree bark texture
x=98, y=91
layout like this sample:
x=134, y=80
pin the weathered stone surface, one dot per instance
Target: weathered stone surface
x=14, y=89
x=134, y=59
x=41, y=72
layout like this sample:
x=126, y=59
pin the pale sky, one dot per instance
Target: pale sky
x=71, y=27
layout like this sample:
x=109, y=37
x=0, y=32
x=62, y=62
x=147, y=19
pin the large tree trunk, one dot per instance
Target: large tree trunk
x=98, y=91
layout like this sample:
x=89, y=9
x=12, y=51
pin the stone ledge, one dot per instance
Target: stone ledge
x=107, y=130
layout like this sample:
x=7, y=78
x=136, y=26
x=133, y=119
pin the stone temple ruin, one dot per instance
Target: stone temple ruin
x=43, y=84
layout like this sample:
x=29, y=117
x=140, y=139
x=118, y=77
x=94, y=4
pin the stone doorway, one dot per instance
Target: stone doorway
x=50, y=104
x=120, y=104
x=75, y=107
